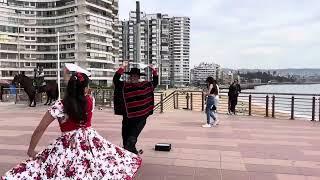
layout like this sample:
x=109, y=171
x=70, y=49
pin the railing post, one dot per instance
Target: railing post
x=273, y=106
x=319, y=109
x=177, y=101
x=16, y=99
x=187, y=101
x=250, y=103
x=292, y=108
x=202, y=101
x=313, y=108
x=161, y=103
x=174, y=101
x=267, y=106
x=103, y=96
x=191, y=102
x=110, y=98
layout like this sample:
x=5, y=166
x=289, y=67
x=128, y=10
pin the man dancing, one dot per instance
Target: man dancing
x=134, y=100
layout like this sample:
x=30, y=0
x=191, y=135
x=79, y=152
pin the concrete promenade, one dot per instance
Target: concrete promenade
x=241, y=148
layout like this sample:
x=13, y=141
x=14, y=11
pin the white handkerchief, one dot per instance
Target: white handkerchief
x=76, y=68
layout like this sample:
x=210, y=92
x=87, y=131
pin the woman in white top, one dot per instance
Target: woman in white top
x=211, y=102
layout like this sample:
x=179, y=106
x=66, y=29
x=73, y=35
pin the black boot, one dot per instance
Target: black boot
x=131, y=145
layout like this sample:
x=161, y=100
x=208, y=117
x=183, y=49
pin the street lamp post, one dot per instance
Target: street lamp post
x=59, y=81
x=18, y=45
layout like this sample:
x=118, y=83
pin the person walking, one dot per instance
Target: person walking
x=134, y=100
x=212, y=91
x=234, y=91
x=80, y=152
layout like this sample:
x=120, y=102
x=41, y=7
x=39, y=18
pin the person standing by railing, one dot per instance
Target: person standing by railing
x=212, y=91
x=234, y=91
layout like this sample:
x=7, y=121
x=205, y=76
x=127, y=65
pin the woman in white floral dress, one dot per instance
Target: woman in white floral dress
x=80, y=152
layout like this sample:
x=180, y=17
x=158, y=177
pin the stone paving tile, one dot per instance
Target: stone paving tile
x=290, y=177
x=273, y=169
x=251, y=148
x=232, y=175
x=262, y=176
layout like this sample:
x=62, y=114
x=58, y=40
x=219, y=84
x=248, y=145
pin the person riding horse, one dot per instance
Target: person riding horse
x=38, y=81
x=31, y=89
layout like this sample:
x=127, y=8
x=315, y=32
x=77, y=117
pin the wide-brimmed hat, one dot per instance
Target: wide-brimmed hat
x=135, y=71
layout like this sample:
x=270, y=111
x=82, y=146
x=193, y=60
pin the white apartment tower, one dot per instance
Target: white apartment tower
x=157, y=45
x=154, y=42
x=89, y=36
x=180, y=51
x=200, y=73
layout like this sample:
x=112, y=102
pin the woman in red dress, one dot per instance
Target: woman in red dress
x=80, y=152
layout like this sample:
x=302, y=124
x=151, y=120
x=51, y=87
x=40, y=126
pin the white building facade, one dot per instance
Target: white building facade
x=89, y=37
x=157, y=44
x=204, y=70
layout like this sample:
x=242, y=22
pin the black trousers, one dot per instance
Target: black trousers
x=233, y=101
x=131, y=130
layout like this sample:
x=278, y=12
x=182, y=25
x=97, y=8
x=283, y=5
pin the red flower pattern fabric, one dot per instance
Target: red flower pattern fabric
x=92, y=157
x=78, y=154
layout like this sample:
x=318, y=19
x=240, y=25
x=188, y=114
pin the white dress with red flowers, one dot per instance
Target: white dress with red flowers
x=78, y=154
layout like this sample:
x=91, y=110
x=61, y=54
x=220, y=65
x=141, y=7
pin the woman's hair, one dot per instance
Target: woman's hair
x=74, y=102
x=210, y=80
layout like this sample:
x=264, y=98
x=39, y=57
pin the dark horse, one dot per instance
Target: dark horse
x=51, y=89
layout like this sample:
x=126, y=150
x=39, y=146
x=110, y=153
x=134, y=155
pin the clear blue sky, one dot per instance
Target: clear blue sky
x=246, y=33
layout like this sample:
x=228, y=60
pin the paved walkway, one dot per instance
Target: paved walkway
x=241, y=148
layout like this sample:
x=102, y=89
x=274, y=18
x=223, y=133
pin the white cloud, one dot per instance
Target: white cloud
x=261, y=51
x=246, y=33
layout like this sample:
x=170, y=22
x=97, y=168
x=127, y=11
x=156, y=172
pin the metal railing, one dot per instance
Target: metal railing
x=103, y=97
x=273, y=105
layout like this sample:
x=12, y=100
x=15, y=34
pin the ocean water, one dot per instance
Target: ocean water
x=303, y=104
x=296, y=89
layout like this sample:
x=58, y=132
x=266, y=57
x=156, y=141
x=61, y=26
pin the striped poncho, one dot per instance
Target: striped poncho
x=134, y=100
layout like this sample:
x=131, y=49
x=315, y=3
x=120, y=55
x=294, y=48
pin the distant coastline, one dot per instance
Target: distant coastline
x=253, y=85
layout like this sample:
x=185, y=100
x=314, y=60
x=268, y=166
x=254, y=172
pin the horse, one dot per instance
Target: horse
x=51, y=89
x=28, y=87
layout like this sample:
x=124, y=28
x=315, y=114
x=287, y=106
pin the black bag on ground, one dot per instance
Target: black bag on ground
x=162, y=147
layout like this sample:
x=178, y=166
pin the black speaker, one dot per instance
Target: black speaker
x=162, y=147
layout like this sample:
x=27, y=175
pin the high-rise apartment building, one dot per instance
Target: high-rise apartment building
x=200, y=73
x=156, y=45
x=89, y=37
x=180, y=51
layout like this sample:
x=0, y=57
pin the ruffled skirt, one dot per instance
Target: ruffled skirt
x=78, y=155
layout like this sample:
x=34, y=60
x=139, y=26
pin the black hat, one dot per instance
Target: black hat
x=135, y=71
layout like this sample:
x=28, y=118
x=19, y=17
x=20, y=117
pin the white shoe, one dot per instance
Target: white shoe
x=207, y=126
x=216, y=122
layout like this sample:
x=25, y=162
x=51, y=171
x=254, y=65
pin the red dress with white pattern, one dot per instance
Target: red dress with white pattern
x=79, y=153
